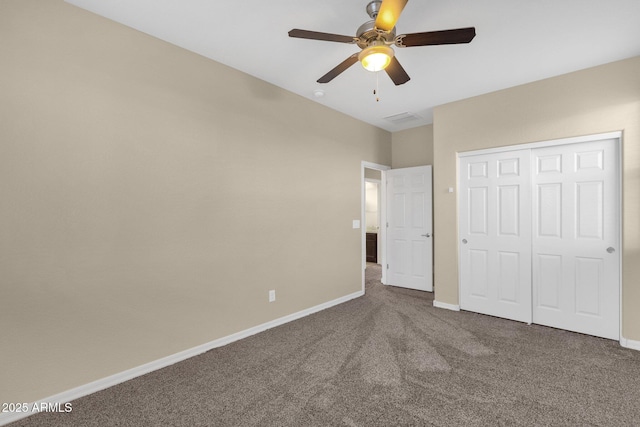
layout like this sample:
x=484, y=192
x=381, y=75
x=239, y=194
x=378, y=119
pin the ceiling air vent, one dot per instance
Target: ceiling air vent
x=402, y=118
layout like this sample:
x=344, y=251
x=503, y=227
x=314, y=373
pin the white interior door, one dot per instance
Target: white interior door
x=495, y=234
x=575, y=241
x=409, y=231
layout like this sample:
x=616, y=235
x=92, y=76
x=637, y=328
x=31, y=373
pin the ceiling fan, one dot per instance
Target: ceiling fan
x=375, y=38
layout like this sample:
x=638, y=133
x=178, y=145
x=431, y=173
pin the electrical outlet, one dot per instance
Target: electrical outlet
x=272, y=296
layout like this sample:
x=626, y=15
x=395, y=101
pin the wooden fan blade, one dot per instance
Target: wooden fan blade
x=460, y=35
x=314, y=35
x=339, y=69
x=389, y=13
x=396, y=72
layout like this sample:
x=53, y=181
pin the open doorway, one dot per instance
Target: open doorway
x=373, y=214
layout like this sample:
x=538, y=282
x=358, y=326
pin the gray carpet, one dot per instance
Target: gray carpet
x=386, y=359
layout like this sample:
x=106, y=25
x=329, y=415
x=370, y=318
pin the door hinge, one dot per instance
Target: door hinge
x=387, y=225
x=387, y=266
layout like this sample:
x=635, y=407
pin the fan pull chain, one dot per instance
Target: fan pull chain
x=377, y=89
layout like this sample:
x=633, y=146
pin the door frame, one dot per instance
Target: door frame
x=617, y=135
x=383, y=219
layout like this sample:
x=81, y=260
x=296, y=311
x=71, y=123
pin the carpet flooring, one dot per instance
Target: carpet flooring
x=388, y=358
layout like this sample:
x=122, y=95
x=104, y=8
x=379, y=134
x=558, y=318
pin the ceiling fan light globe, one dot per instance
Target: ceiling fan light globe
x=376, y=62
x=376, y=58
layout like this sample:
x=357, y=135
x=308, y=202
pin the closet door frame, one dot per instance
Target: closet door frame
x=617, y=136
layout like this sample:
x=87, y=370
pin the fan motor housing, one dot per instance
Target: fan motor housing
x=367, y=33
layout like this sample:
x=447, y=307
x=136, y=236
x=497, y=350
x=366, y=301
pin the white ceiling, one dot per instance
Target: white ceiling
x=517, y=42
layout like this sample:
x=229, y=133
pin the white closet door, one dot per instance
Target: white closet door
x=495, y=234
x=575, y=238
x=409, y=217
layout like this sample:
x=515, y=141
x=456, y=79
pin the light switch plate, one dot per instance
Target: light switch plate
x=450, y=189
x=356, y=223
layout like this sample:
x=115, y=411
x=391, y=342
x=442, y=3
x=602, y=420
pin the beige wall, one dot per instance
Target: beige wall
x=596, y=100
x=372, y=174
x=412, y=147
x=150, y=198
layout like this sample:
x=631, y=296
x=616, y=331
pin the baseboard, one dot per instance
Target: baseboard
x=110, y=381
x=634, y=345
x=454, y=307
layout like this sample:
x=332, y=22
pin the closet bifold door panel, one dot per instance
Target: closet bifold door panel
x=495, y=234
x=575, y=249
x=540, y=235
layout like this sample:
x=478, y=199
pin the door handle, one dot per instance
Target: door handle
x=426, y=235
x=464, y=241
x=610, y=249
